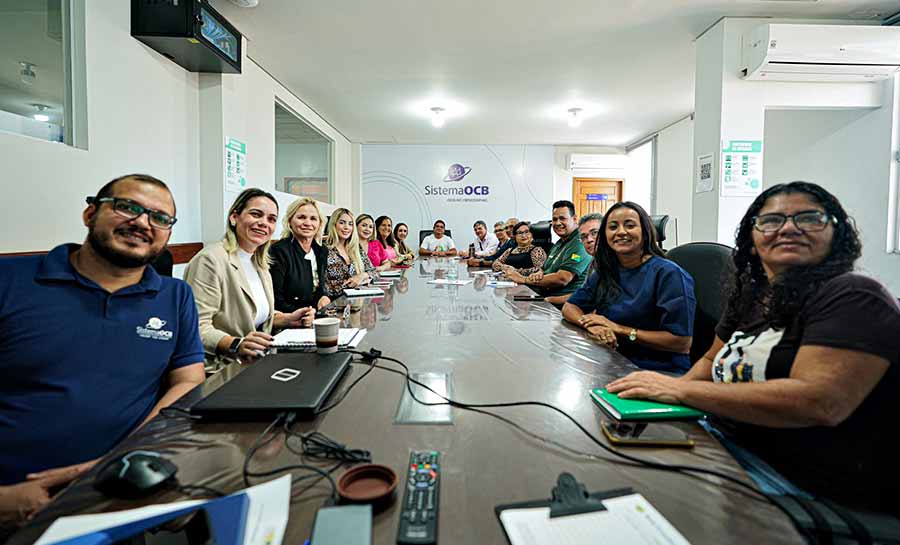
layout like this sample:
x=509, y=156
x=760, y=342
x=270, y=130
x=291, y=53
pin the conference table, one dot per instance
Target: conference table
x=494, y=349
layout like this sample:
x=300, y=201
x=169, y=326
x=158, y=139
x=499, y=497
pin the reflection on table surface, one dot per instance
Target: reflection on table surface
x=496, y=350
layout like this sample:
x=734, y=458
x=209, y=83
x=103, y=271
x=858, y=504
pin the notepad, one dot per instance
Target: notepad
x=628, y=520
x=445, y=282
x=306, y=338
x=501, y=284
x=388, y=274
x=363, y=292
x=640, y=409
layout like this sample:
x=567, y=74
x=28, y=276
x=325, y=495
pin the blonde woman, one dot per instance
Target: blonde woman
x=233, y=287
x=298, y=260
x=365, y=231
x=344, y=265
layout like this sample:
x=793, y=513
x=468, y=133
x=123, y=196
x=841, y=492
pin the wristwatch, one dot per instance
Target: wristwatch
x=235, y=345
x=632, y=336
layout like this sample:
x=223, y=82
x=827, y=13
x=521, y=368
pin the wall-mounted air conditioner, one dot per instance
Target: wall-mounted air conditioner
x=596, y=161
x=821, y=53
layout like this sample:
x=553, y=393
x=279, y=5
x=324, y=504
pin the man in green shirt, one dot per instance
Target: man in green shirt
x=567, y=263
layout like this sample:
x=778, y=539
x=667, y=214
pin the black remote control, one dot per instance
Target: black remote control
x=418, y=518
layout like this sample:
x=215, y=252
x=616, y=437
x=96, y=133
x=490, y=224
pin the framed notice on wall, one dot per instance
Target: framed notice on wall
x=235, y=164
x=705, y=176
x=742, y=162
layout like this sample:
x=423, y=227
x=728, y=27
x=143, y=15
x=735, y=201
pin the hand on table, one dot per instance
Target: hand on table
x=516, y=277
x=324, y=301
x=535, y=277
x=19, y=502
x=302, y=317
x=592, y=319
x=649, y=385
x=254, y=346
x=473, y=262
x=601, y=334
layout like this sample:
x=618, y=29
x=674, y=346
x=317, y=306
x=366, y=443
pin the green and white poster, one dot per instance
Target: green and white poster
x=235, y=165
x=742, y=163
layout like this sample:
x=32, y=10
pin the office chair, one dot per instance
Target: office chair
x=540, y=231
x=660, y=222
x=425, y=232
x=711, y=266
x=163, y=263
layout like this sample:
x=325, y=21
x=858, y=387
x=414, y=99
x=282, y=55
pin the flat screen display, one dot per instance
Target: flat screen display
x=218, y=35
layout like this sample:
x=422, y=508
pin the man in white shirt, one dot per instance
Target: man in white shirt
x=437, y=244
x=485, y=243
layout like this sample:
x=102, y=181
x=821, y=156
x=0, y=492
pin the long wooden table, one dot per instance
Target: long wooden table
x=496, y=350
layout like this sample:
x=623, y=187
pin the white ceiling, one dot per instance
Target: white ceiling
x=507, y=69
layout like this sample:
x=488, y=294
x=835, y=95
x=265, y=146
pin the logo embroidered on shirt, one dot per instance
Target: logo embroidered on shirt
x=576, y=258
x=154, y=330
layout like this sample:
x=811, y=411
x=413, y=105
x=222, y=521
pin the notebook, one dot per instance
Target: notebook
x=363, y=292
x=640, y=409
x=389, y=274
x=306, y=338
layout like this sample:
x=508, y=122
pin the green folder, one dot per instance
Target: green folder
x=640, y=409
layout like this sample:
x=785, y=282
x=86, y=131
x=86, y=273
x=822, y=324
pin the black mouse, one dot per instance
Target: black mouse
x=135, y=474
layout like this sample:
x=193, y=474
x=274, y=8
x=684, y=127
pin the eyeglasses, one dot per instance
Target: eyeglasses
x=805, y=221
x=591, y=233
x=522, y=233
x=498, y=231
x=132, y=210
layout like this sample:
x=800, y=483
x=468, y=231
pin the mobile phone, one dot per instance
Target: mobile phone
x=644, y=434
x=532, y=297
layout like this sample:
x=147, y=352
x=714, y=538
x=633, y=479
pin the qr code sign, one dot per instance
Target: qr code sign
x=705, y=171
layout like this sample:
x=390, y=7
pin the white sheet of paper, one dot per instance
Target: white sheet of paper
x=349, y=336
x=629, y=520
x=445, y=282
x=267, y=516
x=390, y=273
x=501, y=284
x=362, y=292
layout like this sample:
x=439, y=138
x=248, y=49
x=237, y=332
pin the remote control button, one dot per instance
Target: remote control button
x=421, y=485
x=412, y=516
x=421, y=477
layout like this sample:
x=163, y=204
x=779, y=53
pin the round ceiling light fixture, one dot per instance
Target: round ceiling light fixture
x=40, y=115
x=575, y=117
x=437, y=117
x=26, y=74
x=245, y=3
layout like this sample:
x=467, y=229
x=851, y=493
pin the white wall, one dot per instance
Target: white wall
x=562, y=176
x=142, y=118
x=144, y=115
x=638, y=186
x=674, y=175
x=848, y=153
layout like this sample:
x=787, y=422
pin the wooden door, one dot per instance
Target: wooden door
x=595, y=194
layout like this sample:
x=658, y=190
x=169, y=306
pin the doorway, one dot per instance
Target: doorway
x=595, y=194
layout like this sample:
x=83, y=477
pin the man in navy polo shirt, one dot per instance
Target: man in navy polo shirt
x=93, y=343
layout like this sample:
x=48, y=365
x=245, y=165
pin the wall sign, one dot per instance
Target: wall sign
x=597, y=197
x=235, y=165
x=742, y=163
x=705, y=177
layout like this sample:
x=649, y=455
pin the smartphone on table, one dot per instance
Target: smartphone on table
x=645, y=434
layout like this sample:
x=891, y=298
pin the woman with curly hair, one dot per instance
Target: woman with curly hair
x=805, y=368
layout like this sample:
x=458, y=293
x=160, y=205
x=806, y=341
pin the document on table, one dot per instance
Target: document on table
x=628, y=520
x=501, y=284
x=445, y=282
x=363, y=292
x=288, y=338
x=390, y=273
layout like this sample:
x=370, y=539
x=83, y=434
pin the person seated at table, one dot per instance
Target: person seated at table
x=365, y=230
x=298, y=260
x=805, y=368
x=588, y=227
x=94, y=343
x=381, y=250
x=567, y=264
x=401, y=231
x=485, y=243
x=344, y=266
x=233, y=286
x=505, y=243
x=438, y=244
x=636, y=299
x=525, y=258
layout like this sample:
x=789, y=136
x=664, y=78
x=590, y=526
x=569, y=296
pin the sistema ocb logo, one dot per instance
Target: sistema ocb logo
x=456, y=173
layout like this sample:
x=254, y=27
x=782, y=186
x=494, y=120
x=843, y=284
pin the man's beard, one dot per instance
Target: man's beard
x=100, y=244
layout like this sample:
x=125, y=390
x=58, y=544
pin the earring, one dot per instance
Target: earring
x=233, y=224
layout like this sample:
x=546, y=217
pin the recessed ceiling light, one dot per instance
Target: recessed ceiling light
x=575, y=117
x=41, y=116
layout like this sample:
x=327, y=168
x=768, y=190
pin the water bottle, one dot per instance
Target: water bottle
x=452, y=271
x=472, y=250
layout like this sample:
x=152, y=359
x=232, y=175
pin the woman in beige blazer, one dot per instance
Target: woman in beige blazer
x=233, y=287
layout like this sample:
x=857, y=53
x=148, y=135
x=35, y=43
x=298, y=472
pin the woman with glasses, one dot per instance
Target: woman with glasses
x=344, y=266
x=525, y=258
x=805, y=368
x=233, y=286
x=636, y=300
x=381, y=248
x=298, y=260
x=401, y=231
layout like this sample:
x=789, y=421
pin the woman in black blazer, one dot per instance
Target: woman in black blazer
x=298, y=260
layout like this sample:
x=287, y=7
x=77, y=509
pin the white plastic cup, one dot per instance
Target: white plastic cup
x=327, y=334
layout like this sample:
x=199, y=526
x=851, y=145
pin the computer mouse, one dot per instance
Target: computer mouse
x=135, y=474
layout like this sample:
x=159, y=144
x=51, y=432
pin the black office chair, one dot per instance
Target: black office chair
x=540, y=231
x=163, y=263
x=660, y=222
x=425, y=232
x=711, y=266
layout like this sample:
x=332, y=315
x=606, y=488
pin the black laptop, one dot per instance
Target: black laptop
x=294, y=382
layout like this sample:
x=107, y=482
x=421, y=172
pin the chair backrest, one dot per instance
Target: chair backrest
x=660, y=223
x=163, y=263
x=425, y=232
x=540, y=231
x=711, y=266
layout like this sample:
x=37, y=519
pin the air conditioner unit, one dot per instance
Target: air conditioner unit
x=821, y=53
x=597, y=161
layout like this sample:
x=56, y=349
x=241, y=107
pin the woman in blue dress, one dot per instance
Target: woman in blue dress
x=636, y=300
